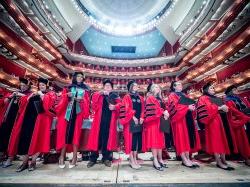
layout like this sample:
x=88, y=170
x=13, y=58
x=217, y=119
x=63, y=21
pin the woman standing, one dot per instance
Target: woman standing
x=40, y=142
x=16, y=104
x=132, y=117
x=211, y=111
x=155, y=110
x=185, y=134
x=72, y=109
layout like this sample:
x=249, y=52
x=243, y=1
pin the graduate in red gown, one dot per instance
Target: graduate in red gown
x=155, y=110
x=40, y=142
x=71, y=111
x=211, y=112
x=238, y=118
x=132, y=108
x=9, y=109
x=103, y=132
x=185, y=134
x=24, y=125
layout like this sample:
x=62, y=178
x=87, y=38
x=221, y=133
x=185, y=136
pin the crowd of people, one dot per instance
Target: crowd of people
x=26, y=118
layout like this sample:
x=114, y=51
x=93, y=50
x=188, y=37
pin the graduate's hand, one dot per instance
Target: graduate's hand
x=135, y=120
x=191, y=107
x=166, y=117
x=141, y=120
x=105, y=92
x=166, y=113
x=40, y=93
x=69, y=94
x=111, y=107
x=223, y=108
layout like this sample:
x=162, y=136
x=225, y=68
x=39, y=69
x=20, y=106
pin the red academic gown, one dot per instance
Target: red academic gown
x=215, y=135
x=93, y=140
x=237, y=120
x=126, y=115
x=62, y=122
x=154, y=137
x=181, y=136
x=15, y=134
x=40, y=141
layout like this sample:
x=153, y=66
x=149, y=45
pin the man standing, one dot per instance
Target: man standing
x=103, y=133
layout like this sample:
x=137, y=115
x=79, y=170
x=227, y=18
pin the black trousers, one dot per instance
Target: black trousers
x=106, y=155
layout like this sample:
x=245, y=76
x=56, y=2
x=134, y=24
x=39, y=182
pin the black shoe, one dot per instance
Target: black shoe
x=227, y=168
x=32, y=166
x=163, y=165
x=107, y=163
x=90, y=164
x=230, y=168
x=196, y=165
x=158, y=168
x=192, y=167
x=22, y=167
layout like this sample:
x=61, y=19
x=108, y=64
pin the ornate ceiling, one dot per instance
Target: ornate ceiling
x=143, y=40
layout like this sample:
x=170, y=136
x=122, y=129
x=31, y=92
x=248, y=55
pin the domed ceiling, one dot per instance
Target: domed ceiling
x=125, y=17
x=124, y=29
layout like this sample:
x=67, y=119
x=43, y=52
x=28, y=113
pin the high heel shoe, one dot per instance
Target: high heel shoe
x=134, y=166
x=158, y=168
x=71, y=165
x=227, y=168
x=61, y=166
x=163, y=165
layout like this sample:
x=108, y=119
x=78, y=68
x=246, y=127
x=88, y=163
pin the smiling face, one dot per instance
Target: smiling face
x=23, y=87
x=42, y=86
x=156, y=89
x=211, y=90
x=79, y=78
x=178, y=86
x=135, y=87
x=107, y=87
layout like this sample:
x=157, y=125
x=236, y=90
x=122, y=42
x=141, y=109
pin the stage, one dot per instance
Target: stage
x=121, y=174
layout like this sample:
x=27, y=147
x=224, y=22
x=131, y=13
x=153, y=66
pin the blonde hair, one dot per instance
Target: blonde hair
x=153, y=88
